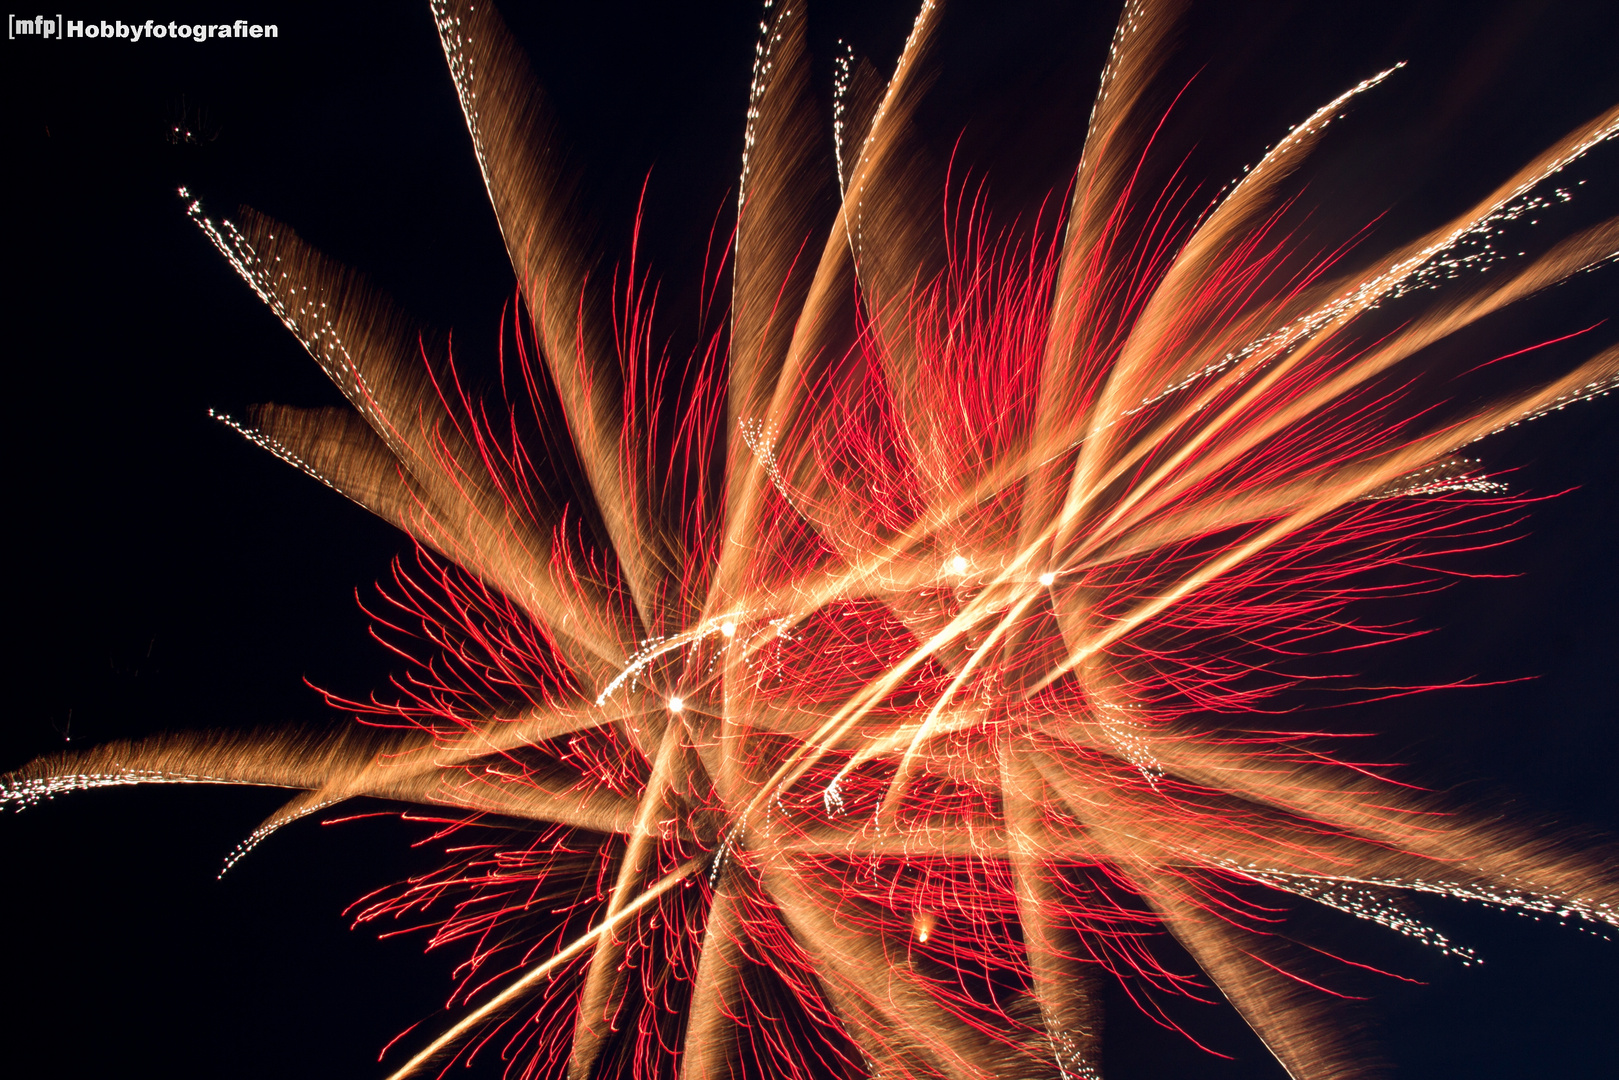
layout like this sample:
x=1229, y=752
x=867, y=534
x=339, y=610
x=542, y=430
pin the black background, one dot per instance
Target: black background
x=166, y=575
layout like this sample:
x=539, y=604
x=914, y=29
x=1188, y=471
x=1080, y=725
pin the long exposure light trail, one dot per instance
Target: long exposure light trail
x=863, y=693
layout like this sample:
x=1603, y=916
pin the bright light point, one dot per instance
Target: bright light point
x=728, y=628
x=959, y=564
x=676, y=704
x=1048, y=578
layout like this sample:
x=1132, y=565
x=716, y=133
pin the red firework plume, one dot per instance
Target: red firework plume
x=858, y=696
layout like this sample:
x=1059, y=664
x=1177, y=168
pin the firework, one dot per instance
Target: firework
x=885, y=678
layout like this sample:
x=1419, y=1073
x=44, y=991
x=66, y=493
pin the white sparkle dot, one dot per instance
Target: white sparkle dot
x=728, y=628
x=676, y=704
x=1047, y=578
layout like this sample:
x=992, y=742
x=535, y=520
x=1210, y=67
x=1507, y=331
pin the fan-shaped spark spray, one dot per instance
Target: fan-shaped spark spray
x=873, y=687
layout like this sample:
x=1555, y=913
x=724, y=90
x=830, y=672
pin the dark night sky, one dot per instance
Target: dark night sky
x=167, y=575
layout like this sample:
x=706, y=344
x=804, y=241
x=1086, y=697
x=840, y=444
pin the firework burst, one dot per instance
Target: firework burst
x=879, y=682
